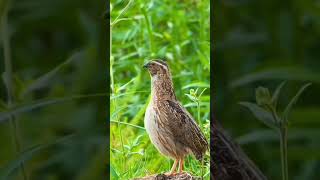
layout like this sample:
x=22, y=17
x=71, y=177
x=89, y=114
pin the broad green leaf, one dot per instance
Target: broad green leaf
x=4, y=115
x=6, y=170
x=261, y=114
x=261, y=135
x=276, y=94
x=46, y=78
x=266, y=135
x=293, y=101
x=197, y=84
x=292, y=73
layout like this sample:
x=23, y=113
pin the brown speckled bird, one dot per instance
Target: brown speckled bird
x=171, y=128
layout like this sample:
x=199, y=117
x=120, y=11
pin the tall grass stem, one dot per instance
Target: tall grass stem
x=8, y=78
x=284, y=152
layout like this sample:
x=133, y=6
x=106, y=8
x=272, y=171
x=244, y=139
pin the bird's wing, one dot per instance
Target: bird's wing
x=184, y=128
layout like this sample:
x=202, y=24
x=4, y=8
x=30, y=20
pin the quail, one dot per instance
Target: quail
x=170, y=127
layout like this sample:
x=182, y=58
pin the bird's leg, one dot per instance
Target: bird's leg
x=181, y=164
x=173, y=169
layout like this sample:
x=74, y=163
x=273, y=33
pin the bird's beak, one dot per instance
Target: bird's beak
x=146, y=65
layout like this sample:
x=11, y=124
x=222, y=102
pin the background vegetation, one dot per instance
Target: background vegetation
x=177, y=31
x=56, y=49
x=261, y=43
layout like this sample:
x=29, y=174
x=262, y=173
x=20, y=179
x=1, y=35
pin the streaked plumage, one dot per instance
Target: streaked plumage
x=171, y=128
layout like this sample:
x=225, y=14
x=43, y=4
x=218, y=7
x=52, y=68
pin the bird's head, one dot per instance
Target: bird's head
x=157, y=67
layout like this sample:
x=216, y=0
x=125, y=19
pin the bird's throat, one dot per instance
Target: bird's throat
x=162, y=89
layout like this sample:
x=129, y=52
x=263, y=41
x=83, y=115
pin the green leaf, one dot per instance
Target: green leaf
x=136, y=142
x=121, y=13
x=192, y=98
x=125, y=85
x=261, y=114
x=290, y=73
x=202, y=92
x=4, y=115
x=193, y=104
x=6, y=170
x=113, y=96
x=293, y=101
x=263, y=96
x=276, y=94
x=266, y=135
x=197, y=84
x=46, y=78
x=258, y=136
x=114, y=174
x=128, y=124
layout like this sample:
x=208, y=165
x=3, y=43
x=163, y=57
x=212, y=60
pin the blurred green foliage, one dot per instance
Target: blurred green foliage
x=57, y=53
x=261, y=43
x=177, y=31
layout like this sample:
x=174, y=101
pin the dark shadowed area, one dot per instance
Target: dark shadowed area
x=55, y=122
x=262, y=43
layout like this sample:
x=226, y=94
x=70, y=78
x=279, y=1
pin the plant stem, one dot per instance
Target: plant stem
x=200, y=123
x=9, y=87
x=284, y=152
x=202, y=168
x=149, y=28
x=111, y=60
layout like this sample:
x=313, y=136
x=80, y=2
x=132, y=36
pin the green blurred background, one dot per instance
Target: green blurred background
x=58, y=52
x=177, y=31
x=261, y=43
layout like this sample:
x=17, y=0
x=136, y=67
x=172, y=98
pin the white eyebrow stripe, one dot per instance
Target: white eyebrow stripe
x=160, y=64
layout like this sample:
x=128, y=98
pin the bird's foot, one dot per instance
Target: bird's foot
x=170, y=174
x=182, y=172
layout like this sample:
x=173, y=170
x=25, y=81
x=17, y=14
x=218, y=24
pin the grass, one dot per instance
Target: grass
x=50, y=94
x=9, y=88
x=177, y=32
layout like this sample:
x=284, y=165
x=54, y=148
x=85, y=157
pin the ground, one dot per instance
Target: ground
x=180, y=176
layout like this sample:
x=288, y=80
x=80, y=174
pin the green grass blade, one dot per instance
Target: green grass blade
x=293, y=101
x=276, y=93
x=42, y=103
x=128, y=124
x=291, y=73
x=8, y=169
x=197, y=84
x=121, y=13
x=46, y=78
